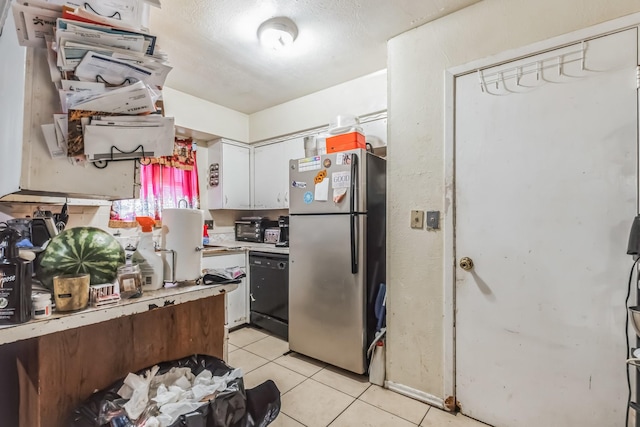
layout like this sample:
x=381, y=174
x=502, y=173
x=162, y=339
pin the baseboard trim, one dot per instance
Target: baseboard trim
x=416, y=394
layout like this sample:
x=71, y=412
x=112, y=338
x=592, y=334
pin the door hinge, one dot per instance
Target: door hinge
x=638, y=77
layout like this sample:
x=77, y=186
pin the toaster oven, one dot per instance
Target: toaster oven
x=252, y=229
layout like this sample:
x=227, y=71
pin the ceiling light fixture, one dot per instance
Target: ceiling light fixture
x=277, y=33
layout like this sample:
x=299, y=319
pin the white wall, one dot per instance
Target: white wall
x=364, y=95
x=417, y=61
x=205, y=117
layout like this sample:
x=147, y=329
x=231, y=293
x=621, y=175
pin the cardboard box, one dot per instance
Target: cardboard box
x=346, y=141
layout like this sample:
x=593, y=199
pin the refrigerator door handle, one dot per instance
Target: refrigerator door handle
x=354, y=243
x=353, y=199
x=355, y=250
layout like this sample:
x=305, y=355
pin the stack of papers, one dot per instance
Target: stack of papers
x=109, y=74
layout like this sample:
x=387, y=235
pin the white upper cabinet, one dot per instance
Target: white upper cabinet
x=293, y=149
x=267, y=177
x=228, y=176
x=271, y=173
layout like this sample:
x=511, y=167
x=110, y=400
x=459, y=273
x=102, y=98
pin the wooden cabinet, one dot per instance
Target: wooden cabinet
x=237, y=301
x=61, y=360
x=29, y=167
x=271, y=173
x=228, y=175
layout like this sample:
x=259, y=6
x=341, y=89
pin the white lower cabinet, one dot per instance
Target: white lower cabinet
x=236, y=302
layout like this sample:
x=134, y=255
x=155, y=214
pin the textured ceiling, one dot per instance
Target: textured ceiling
x=213, y=45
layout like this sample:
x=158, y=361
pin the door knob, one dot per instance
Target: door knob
x=466, y=263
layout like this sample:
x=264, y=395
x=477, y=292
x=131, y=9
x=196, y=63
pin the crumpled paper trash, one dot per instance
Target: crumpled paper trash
x=177, y=392
x=136, y=389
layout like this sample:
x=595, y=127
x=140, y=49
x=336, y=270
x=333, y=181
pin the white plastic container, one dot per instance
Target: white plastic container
x=310, y=147
x=41, y=306
x=145, y=256
x=182, y=234
x=376, y=367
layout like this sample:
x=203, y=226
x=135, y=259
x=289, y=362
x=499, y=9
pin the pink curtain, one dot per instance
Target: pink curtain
x=166, y=182
x=167, y=187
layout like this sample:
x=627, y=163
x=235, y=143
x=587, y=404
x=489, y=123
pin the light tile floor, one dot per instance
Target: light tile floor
x=317, y=395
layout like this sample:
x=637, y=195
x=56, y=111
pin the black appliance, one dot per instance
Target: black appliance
x=283, y=223
x=269, y=292
x=251, y=229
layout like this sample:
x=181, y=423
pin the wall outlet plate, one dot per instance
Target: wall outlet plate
x=417, y=219
x=433, y=220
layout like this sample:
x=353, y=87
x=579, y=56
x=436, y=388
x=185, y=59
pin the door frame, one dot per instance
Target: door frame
x=449, y=260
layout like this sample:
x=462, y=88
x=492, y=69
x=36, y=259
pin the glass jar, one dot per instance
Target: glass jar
x=130, y=281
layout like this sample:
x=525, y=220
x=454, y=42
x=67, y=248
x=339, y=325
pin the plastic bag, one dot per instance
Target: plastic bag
x=234, y=407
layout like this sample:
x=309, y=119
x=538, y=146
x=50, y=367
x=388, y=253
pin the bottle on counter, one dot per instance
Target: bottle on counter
x=15, y=281
x=145, y=256
x=205, y=236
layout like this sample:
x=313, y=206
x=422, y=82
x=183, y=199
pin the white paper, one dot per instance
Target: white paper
x=78, y=86
x=72, y=49
x=155, y=141
x=133, y=99
x=112, y=12
x=160, y=71
x=51, y=61
x=49, y=132
x=341, y=179
x=33, y=24
x=62, y=130
x=80, y=33
x=322, y=191
x=110, y=70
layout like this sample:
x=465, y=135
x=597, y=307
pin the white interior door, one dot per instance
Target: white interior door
x=546, y=189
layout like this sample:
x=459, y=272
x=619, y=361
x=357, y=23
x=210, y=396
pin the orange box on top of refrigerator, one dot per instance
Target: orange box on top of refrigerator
x=346, y=141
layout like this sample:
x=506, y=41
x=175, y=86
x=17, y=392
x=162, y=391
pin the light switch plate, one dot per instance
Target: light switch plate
x=417, y=219
x=433, y=220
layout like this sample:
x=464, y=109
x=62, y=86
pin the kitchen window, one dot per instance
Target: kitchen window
x=165, y=182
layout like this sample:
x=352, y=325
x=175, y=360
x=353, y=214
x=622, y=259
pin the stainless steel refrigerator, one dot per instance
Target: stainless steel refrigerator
x=337, y=255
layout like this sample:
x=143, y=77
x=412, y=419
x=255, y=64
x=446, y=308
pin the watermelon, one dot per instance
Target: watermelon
x=81, y=250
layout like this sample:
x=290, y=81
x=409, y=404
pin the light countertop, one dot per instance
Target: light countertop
x=150, y=300
x=228, y=247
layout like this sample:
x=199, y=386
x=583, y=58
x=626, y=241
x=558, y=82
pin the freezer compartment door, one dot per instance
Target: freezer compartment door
x=331, y=183
x=326, y=299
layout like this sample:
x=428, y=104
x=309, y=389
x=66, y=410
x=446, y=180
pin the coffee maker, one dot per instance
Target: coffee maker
x=283, y=223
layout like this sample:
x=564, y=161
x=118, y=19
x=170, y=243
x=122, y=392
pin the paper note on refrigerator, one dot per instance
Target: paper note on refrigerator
x=322, y=191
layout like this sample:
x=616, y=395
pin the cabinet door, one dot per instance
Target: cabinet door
x=236, y=313
x=11, y=104
x=235, y=177
x=292, y=149
x=268, y=177
x=237, y=301
x=231, y=190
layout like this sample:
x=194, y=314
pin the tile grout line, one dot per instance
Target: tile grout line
x=389, y=412
x=311, y=377
x=283, y=394
x=343, y=411
x=425, y=415
x=252, y=342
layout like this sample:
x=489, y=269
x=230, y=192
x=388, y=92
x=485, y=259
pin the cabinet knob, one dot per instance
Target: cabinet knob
x=466, y=263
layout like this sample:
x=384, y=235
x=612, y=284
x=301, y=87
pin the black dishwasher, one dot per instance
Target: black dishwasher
x=269, y=292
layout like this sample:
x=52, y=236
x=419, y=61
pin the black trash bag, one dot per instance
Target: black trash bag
x=234, y=407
